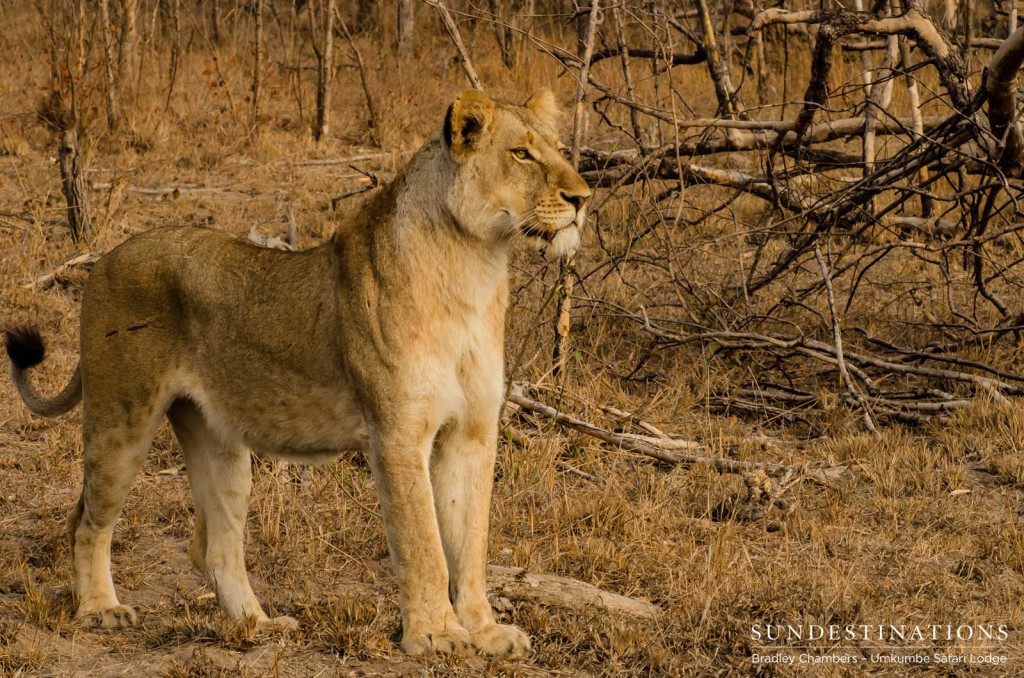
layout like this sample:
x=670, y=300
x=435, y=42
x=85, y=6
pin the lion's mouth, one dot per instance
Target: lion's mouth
x=544, y=234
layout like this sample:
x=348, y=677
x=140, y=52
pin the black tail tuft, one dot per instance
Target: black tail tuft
x=25, y=347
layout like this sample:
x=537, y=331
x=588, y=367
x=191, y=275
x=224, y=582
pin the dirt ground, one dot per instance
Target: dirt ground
x=923, y=526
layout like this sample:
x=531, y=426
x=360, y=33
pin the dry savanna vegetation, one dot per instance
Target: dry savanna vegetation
x=779, y=384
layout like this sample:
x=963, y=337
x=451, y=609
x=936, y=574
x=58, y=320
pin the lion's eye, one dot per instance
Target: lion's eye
x=521, y=154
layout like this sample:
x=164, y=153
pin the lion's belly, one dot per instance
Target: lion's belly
x=304, y=423
x=316, y=434
x=317, y=438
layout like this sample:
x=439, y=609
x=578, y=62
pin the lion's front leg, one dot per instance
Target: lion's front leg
x=463, y=475
x=400, y=471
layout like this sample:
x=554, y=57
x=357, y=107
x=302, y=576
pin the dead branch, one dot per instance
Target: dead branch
x=320, y=162
x=48, y=280
x=627, y=75
x=113, y=95
x=929, y=226
x=1001, y=89
x=757, y=135
x=833, y=25
x=453, y=33
x=837, y=337
x=689, y=174
x=567, y=268
x=645, y=447
x=882, y=45
x=406, y=25
x=748, y=341
x=373, y=123
x=879, y=94
x=257, y=69
x=547, y=589
x=27, y=218
x=675, y=59
x=635, y=420
x=175, y=57
x=374, y=183
x=728, y=104
x=324, y=52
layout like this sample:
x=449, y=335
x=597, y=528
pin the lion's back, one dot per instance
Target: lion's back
x=162, y=278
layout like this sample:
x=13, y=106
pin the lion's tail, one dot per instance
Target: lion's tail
x=26, y=349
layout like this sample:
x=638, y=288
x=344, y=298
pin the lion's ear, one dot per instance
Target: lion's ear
x=469, y=117
x=543, y=105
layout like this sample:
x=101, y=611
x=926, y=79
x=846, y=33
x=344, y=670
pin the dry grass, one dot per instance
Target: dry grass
x=926, y=528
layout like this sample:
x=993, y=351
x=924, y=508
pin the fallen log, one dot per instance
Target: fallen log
x=505, y=584
x=646, y=445
x=516, y=583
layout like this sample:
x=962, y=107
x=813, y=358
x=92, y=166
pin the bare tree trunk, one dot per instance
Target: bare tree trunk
x=949, y=12
x=1001, y=87
x=879, y=95
x=728, y=103
x=365, y=14
x=146, y=45
x=762, y=69
x=627, y=75
x=406, y=27
x=48, y=13
x=74, y=186
x=172, y=68
x=80, y=35
x=867, y=77
x=507, y=19
x=215, y=21
x=127, y=45
x=967, y=8
x=257, y=71
x=325, y=73
x=914, y=101
x=290, y=49
x=113, y=95
x=373, y=123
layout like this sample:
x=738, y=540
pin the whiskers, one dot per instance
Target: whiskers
x=517, y=228
x=542, y=233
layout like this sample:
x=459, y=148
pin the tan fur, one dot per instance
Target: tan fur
x=387, y=339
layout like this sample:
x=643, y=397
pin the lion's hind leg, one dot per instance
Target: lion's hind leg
x=115, y=447
x=221, y=478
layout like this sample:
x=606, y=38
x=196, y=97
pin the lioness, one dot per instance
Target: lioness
x=386, y=339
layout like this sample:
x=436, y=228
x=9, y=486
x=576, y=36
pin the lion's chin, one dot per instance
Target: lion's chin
x=564, y=244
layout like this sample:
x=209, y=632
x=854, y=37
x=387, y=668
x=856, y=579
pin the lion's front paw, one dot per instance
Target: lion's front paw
x=279, y=624
x=116, y=616
x=448, y=641
x=502, y=640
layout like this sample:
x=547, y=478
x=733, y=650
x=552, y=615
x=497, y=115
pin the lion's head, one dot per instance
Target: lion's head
x=511, y=178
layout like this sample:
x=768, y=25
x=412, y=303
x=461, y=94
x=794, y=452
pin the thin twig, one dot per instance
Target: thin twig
x=563, y=315
x=453, y=32
x=374, y=183
x=837, y=336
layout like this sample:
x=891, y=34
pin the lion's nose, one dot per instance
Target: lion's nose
x=576, y=199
